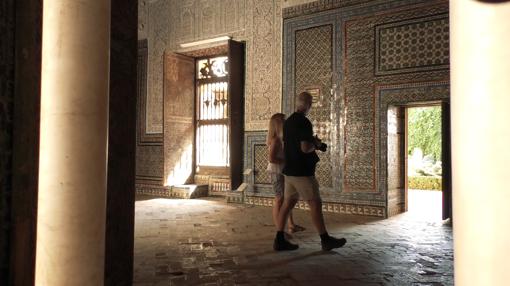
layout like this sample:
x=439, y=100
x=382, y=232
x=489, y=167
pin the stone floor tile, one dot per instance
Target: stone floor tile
x=209, y=242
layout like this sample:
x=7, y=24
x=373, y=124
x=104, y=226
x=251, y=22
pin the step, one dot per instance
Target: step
x=188, y=191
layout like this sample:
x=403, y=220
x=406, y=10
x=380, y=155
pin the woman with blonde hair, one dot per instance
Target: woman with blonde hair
x=275, y=166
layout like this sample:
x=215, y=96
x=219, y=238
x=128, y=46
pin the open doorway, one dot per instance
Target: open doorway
x=419, y=168
x=424, y=167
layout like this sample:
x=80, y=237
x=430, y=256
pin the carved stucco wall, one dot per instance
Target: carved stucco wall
x=168, y=23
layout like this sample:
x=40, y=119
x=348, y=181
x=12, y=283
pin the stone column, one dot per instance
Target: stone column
x=73, y=144
x=480, y=70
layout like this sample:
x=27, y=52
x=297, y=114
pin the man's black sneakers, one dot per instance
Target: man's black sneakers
x=283, y=245
x=331, y=242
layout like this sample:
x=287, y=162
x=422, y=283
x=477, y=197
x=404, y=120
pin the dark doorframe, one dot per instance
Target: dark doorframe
x=446, y=153
x=120, y=200
x=26, y=126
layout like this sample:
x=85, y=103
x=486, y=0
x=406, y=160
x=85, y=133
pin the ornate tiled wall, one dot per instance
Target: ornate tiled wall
x=368, y=43
x=255, y=158
x=361, y=77
x=149, y=147
x=262, y=193
x=313, y=72
x=6, y=108
x=260, y=155
x=374, y=43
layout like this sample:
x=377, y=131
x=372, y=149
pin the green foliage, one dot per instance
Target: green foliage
x=425, y=183
x=425, y=131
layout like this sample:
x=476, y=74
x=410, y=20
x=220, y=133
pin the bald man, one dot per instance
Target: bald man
x=300, y=162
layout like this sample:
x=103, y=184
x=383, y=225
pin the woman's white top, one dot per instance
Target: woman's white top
x=275, y=167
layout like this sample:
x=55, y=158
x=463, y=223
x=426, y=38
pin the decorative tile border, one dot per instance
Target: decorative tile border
x=332, y=207
x=152, y=190
x=173, y=192
x=252, y=139
x=319, y=6
x=144, y=138
x=236, y=197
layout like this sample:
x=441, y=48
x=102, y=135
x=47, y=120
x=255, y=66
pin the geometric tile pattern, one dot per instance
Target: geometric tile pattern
x=149, y=148
x=413, y=45
x=261, y=159
x=314, y=63
x=252, y=140
x=149, y=165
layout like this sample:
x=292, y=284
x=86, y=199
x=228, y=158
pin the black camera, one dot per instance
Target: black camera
x=322, y=146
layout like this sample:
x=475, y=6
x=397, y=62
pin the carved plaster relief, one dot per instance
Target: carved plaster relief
x=202, y=19
x=258, y=23
x=158, y=37
x=264, y=65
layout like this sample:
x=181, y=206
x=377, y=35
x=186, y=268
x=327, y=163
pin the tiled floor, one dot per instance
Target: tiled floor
x=209, y=242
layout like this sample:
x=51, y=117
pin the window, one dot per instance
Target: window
x=213, y=125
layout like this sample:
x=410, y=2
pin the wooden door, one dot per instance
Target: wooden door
x=236, y=91
x=178, y=122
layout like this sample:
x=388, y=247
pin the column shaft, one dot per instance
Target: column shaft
x=73, y=144
x=480, y=69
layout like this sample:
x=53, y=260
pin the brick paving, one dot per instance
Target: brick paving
x=210, y=242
